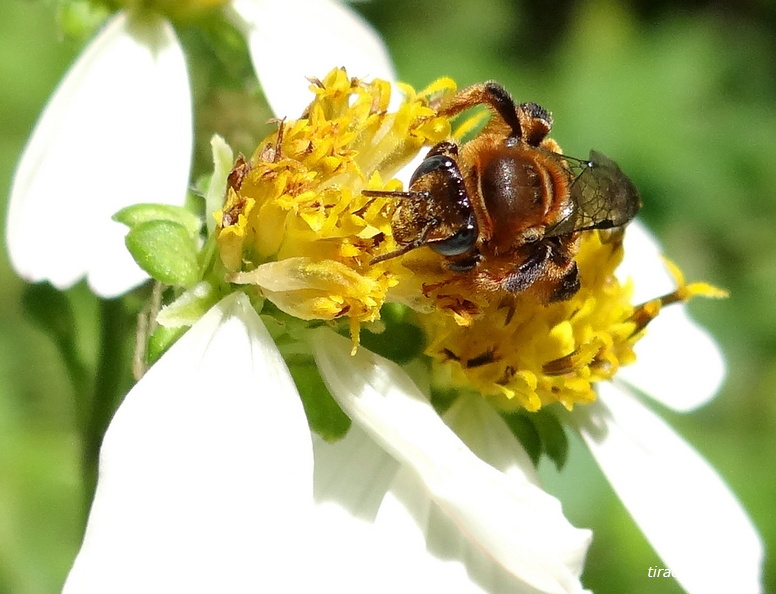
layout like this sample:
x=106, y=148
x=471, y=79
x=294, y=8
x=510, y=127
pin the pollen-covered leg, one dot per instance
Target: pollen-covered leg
x=529, y=271
x=493, y=95
x=529, y=122
x=535, y=121
x=567, y=286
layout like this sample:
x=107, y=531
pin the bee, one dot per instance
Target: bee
x=506, y=209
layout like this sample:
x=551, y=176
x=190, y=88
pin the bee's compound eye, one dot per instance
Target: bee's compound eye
x=435, y=163
x=459, y=242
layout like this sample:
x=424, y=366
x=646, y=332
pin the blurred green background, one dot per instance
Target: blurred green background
x=681, y=94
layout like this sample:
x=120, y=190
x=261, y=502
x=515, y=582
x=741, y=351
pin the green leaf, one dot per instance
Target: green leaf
x=166, y=251
x=324, y=415
x=137, y=214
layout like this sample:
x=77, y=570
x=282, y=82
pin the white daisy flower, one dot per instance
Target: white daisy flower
x=118, y=129
x=189, y=494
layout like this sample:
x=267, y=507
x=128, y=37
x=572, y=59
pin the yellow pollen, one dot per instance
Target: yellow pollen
x=295, y=222
x=520, y=353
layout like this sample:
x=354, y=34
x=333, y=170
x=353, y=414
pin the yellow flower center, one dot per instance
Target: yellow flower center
x=297, y=225
x=295, y=221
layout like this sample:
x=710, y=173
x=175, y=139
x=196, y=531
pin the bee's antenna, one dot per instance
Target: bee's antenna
x=395, y=194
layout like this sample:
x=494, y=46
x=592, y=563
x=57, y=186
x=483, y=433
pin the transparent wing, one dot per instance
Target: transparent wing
x=602, y=196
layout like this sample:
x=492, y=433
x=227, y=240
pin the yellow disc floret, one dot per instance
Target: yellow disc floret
x=521, y=353
x=295, y=221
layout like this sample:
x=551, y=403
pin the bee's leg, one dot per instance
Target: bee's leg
x=395, y=194
x=536, y=122
x=567, y=286
x=528, y=121
x=529, y=271
x=564, y=269
x=396, y=253
x=549, y=268
x=489, y=93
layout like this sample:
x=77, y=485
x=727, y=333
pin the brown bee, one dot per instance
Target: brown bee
x=505, y=210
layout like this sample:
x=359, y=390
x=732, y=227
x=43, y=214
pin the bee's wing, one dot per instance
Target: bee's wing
x=602, y=196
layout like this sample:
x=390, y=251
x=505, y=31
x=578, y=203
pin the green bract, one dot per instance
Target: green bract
x=166, y=251
x=136, y=214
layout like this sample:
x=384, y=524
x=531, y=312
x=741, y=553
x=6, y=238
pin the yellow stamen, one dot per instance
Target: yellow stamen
x=520, y=353
x=296, y=207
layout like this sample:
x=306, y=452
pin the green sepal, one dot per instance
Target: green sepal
x=166, y=251
x=137, y=214
x=190, y=306
x=324, y=415
x=540, y=433
x=160, y=340
x=553, y=435
x=525, y=431
x=80, y=19
x=223, y=160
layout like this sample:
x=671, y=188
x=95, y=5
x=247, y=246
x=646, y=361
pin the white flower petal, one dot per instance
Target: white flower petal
x=349, y=556
x=428, y=545
x=117, y=131
x=678, y=363
x=514, y=521
x=294, y=39
x=484, y=431
x=408, y=516
x=205, y=471
x=643, y=264
x=223, y=161
x=682, y=506
x=352, y=481
x=353, y=472
x=351, y=478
